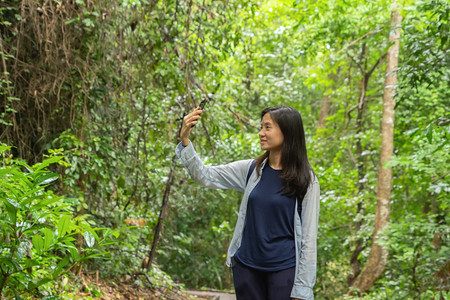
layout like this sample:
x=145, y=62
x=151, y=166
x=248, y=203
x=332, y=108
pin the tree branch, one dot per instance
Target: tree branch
x=376, y=64
x=440, y=177
x=356, y=62
x=360, y=38
x=241, y=118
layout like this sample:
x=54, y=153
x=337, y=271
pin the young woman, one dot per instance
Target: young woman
x=273, y=252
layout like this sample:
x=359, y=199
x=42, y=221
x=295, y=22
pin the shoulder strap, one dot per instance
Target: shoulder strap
x=299, y=208
x=250, y=171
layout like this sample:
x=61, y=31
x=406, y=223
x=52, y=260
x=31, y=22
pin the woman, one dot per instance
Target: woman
x=273, y=252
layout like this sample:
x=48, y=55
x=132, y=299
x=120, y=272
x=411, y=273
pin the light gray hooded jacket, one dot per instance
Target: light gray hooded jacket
x=234, y=176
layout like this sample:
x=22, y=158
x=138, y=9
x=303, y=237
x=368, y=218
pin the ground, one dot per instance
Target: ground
x=91, y=287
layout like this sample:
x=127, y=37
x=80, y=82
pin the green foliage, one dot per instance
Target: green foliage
x=419, y=253
x=200, y=239
x=5, y=83
x=38, y=230
x=114, y=89
x=426, y=43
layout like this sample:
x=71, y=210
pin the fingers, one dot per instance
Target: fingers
x=192, y=118
x=189, y=121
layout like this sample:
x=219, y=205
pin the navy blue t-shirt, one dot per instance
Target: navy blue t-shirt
x=268, y=239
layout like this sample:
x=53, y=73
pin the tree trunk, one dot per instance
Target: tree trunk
x=162, y=215
x=324, y=108
x=377, y=260
x=359, y=245
x=326, y=101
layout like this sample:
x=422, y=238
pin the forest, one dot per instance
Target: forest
x=92, y=98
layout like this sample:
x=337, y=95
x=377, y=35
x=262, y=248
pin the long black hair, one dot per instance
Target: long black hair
x=296, y=172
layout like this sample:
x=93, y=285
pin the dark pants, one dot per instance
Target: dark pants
x=252, y=284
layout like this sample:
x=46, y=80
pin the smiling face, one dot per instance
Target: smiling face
x=270, y=136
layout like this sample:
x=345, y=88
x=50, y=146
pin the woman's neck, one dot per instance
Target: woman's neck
x=275, y=160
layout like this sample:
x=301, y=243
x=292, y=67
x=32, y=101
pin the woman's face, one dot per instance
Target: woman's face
x=270, y=136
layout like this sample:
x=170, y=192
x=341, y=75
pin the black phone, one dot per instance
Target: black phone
x=202, y=104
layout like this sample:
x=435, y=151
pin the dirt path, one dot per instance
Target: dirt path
x=122, y=289
x=211, y=295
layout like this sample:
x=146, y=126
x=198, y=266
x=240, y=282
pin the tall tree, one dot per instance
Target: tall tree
x=377, y=260
x=324, y=108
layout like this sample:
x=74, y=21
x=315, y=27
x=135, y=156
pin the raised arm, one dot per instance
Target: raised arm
x=229, y=176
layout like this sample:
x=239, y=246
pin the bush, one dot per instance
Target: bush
x=38, y=233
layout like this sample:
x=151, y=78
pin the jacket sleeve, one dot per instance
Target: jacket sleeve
x=228, y=176
x=305, y=276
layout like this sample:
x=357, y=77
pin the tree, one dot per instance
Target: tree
x=378, y=255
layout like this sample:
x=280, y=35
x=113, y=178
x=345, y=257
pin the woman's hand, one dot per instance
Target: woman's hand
x=188, y=122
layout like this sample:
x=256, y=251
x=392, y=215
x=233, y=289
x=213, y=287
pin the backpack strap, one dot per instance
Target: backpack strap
x=299, y=208
x=250, y=171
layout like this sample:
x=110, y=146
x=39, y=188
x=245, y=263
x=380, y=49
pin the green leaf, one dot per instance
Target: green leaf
x=121, y=182
x=29, y=199
x=7, y=265
x=88, y=22
x=60, y=267
x=71, y=21
x=12, y=211
x=73, y=201
x=4, y=148
x=47, y=162
x=23, y=164
x=67, y=238
x=24, y=246
x=20, y=177
x=46, y=179
x=4, y=171
x=107, y=232
x=13, y=203
x=116, y=234
x=89, y=238
x=39, y=283
x=45, y=203
x=440, y=147
x=29, y=263
x=73, y=250
x=48, y=238
x=17, y=265
x=429, y=134
x=35, y=228
x=63, y=225
x=38, y=243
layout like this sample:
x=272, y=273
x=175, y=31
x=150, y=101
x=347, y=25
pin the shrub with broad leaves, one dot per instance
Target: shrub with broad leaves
x=40, y=239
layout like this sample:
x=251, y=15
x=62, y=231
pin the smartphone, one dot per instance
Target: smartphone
x=202, y=104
